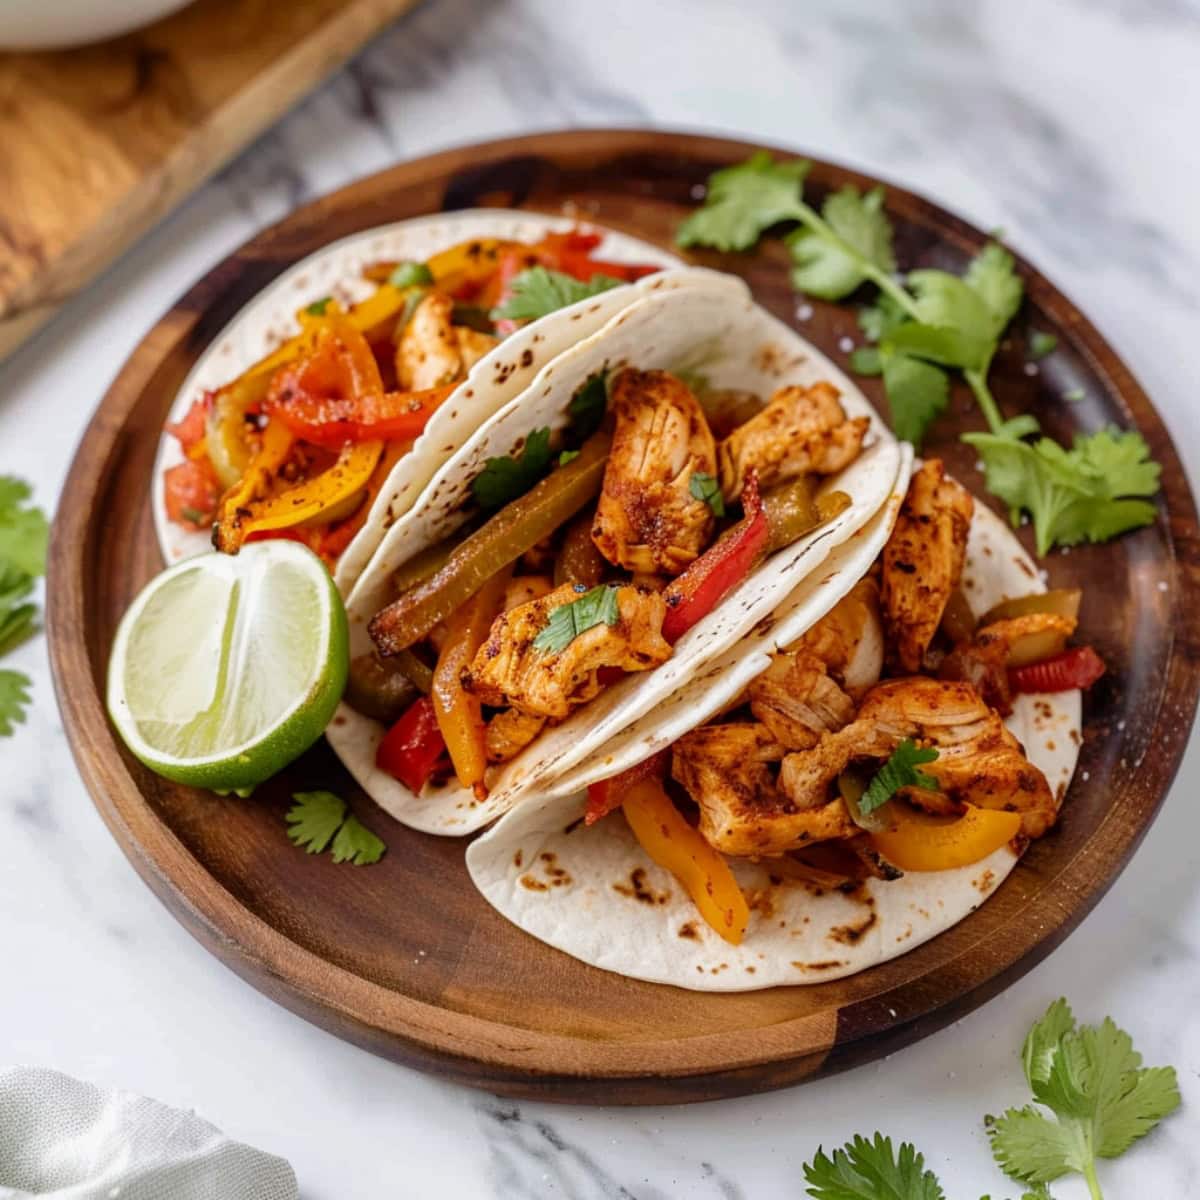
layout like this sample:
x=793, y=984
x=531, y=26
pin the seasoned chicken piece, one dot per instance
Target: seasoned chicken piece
x=647, y=519
x=509, y=732
x=428, y=354
x=849, y=639
x=726, y=770
x=797, y=700
x=800, y=430
x=524, y=588
x=979, y=761
x=473, y=344
x=509, y=671
x=923, y=562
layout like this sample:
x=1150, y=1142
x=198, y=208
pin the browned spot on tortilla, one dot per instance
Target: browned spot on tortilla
x=1024, y=566
x=751, y=970
x=1050, y=744
x=534, y=885
x=826, y=965
x=1075, y=736
x=984, y=883
x=688, y=930
x=638, y=889
x=853, y=932
x=574, y=825
x=339, y=720
x=518, y=859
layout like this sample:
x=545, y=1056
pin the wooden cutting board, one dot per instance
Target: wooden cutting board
x=98, y=143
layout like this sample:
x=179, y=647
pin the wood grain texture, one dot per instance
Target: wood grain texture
x=101, y=142
x=404, y=957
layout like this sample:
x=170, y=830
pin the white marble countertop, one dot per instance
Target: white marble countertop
x=1071, y=124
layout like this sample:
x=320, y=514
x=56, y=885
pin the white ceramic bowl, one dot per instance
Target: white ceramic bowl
x=48, y=24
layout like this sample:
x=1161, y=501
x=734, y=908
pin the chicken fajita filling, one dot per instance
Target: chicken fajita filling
x=876, y=743
x=592, y=553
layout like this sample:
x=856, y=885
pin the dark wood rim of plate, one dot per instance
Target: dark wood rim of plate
x=626, y=179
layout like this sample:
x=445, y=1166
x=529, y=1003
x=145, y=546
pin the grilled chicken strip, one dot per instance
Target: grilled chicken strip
x=800, y=430
x=509, y=732
x=923, y=561
x=647, y=519
x=849, y=639
x=432, y=350
x=726, y=770
x=979, y=762
x=796, y=699
x=509, y=671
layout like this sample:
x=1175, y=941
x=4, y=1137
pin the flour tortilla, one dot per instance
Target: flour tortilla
x=569, y=885
x=498, y=377
x=711, y=325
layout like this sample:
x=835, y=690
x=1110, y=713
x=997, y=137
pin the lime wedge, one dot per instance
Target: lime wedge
x=226, y=667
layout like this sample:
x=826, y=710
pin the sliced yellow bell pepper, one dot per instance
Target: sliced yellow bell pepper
x=922, y=842
x=323, y=493
x=679, y=848
x=459, y=714
x=252, y=486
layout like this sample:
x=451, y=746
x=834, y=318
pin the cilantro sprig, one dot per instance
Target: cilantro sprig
x=317, y=819
x=1089, y=1077
x=597, y=606
x=505, y=479
x=901, y=770
x=919, y=329
x=1103, y=1100
x=537, y=291
x=24, y=533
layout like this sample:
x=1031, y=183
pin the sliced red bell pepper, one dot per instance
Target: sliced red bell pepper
x=333, y=421
x=724, y=565
x=334, y=394
x=607, y=795
x=412, y=747
x=1078, y=667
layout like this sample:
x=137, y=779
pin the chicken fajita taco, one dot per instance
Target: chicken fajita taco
x=330, y=401
x=655, y=494
x=831, y=793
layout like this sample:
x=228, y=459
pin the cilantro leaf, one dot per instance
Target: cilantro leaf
x=14, y=697
x=16, y=618
x=879, y=319
x=587, y=408
x=743, y=201
x=1041, y=344
x=917, y=393
x=537, y=291
x=831, y=269
x=24, y=530
x=1091, y=492
x=900, y=770
x=945, y=302
x=568, y=456
x=318, y=818
x=992, y=276
x=317, y=307
x=410, y=274
x=314, y=818
x=1102, y=1098
x=940, y=344
x=504, y=479
x=871, y=1170
x=705, y=488
x=866, y=360
x=356, y=844
x=595, y=607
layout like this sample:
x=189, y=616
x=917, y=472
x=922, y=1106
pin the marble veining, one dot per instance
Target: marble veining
x=1069, y=123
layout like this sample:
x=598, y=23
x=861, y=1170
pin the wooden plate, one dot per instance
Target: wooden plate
x=404, y=958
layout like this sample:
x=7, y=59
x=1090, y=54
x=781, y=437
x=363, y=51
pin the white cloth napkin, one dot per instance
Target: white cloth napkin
x=73, y=1141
